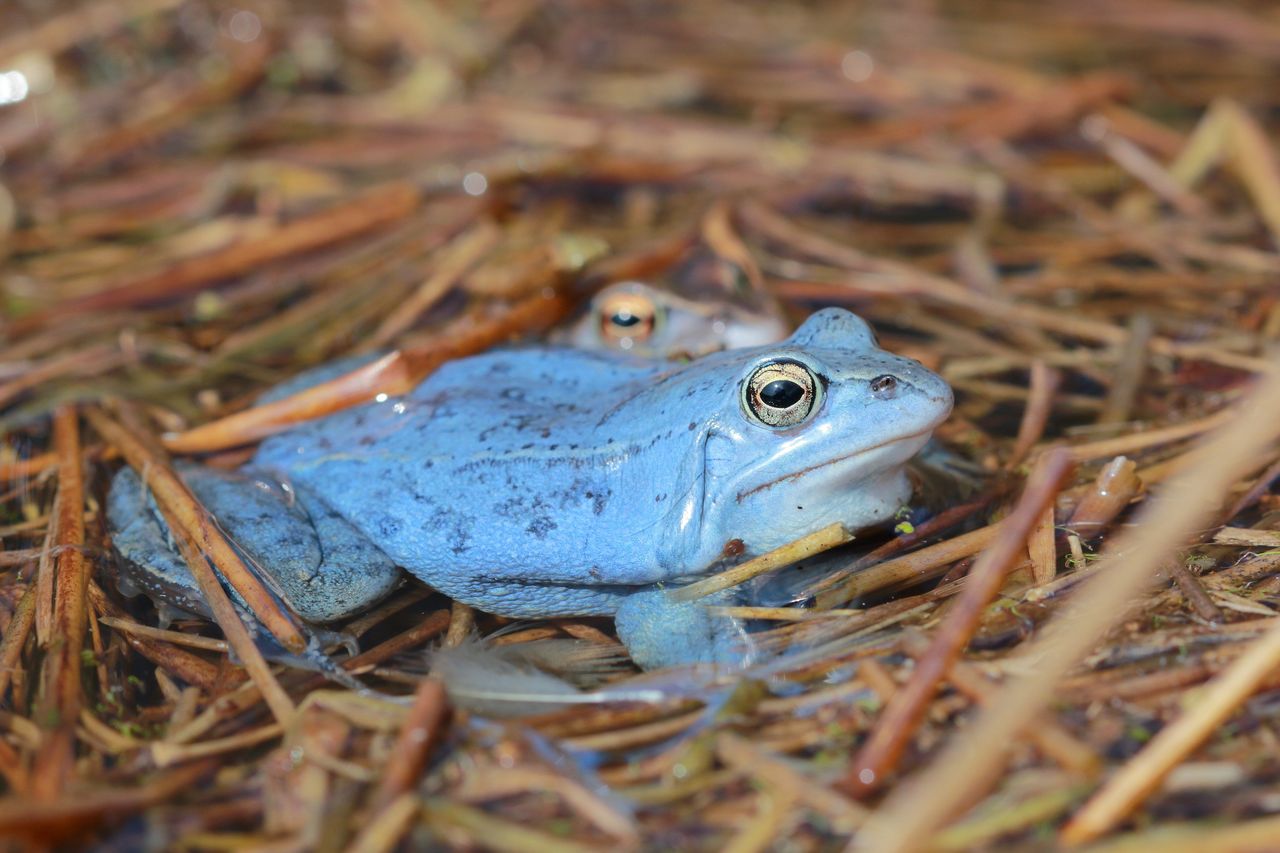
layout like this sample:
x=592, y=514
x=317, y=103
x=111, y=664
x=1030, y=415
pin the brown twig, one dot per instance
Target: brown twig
x=806, y=546
x=896, y=726
x=60, y=687
x=915, y=809
x=1044, y=382
x=917, y=567
x=419, y=732
x=65, y=818
x=393, y=374
x=15, y=637
x=370, y=210
x=197, y=536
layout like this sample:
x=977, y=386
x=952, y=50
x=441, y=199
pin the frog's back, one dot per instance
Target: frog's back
x=497, y=468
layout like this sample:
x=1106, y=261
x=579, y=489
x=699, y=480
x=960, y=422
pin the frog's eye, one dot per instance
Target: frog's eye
x=781, y=393
x=626, y=318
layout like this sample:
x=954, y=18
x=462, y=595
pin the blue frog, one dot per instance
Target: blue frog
x=554, y=482
x=649, y=321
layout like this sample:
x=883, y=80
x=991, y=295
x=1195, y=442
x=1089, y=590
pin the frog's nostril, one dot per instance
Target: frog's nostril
x=883, y=386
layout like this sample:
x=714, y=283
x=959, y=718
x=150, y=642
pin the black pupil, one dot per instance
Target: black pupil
x=625, y=319
x=781, y=394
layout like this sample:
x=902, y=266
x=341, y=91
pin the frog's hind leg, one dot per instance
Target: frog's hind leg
x=318, y=565
x=149, y=561
x=321, y=567
x=659, y=631
x=352, y=574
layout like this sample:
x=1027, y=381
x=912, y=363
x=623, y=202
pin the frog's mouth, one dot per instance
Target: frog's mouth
x=916, y=438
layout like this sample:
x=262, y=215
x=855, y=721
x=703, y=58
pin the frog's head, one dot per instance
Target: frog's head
x=818, y=430
x=637, y=318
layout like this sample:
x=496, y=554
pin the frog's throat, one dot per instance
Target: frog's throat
x=795, y=475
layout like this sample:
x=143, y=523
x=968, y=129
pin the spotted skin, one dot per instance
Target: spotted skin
x=554, y=482
x=314, y=559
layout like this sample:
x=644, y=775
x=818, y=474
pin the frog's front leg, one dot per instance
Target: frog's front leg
x=312, y=558
x=659, y=631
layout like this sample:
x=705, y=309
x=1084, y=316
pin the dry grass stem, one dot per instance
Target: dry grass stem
x=1070, y=213
x=793, y=552
x=919, y=806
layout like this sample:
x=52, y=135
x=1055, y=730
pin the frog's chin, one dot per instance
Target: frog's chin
x=831, y=477
x=857, y=489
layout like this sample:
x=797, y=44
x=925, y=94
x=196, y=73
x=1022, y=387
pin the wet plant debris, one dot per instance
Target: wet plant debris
x=1069, y=210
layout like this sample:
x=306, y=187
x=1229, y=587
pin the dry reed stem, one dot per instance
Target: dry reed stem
x=385, y=830
x=9, y=559
x=21, y=469
x=917, y=567
x=759, y=833
x=985, y=830
x=494, y=783
x=1050, y=738
x=1137, y=441
x=452, y=263
x=1044, y=383
x=793, y=552
x=90, y=361
x=917, y=807
x=463, y=826
x=372, y=209
x=64, y=31
x=195, y=641
x=897, y=724
x=68, y=817
x=1133, y=159
x=1194, y=593
x=462, y=622
x=165, y=753
x=1246, y=537
x=1127, y=380
x=192, y=669
x=60, y=685
x=739, y=753
x=15, y=637
x=394, y=374
x=1248, y=836
x=197, y=536
x=185, y=514
x=246, y=697
x=717, y=230
x=1255, y=161
x=228, y=620
x=1042, y=547
x=1215, y=703
x=419, y=733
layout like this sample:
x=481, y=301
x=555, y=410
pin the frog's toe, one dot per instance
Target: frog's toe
x=659, y=631
x=326, y=639
x=311, y=658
